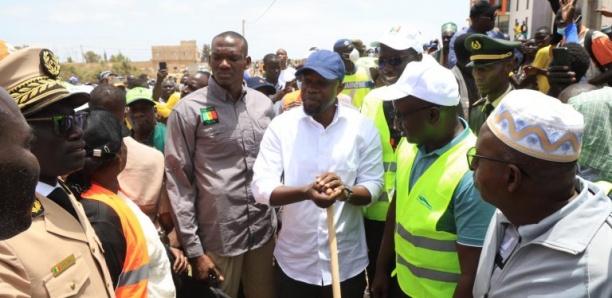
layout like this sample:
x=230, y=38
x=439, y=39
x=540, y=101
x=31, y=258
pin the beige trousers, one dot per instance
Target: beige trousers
x=254, y=268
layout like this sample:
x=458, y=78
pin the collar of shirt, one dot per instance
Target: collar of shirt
x=216, y=90
x=464, y=134
x=497, y=100
x=570, y=229
x=45, y=189
x=340, y=113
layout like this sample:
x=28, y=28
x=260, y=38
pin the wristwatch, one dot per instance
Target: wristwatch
x=349, y=193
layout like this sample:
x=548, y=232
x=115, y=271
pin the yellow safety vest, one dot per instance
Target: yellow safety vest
x=358, y=85
x=373, y=109
x=427, y=264
x=135, y=274
x=605, y=186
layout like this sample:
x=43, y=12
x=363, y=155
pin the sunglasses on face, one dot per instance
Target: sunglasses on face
x=473, y=158
x=393, y=61
x=64, y=124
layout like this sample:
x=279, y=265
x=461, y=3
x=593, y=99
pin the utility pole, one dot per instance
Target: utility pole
x=83, y=55
x=243, y=29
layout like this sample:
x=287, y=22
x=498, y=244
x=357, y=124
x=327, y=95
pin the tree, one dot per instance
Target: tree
x=205, y=54
x=23, y=46
x=69, y=60
x=105, y=59
x=119, y=58
x=124, y=68
x=91, y=57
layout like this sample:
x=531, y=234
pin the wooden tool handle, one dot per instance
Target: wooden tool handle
x=333, y=251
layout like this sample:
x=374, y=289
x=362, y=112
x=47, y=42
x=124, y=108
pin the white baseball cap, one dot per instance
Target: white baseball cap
x=426, y=81
x=401, y=37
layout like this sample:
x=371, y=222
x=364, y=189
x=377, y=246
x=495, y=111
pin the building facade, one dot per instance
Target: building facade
x=177, y=57
x=538, y=13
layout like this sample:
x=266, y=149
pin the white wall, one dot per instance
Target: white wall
x=539, y=14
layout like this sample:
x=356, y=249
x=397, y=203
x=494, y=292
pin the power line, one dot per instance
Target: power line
x=263, y=14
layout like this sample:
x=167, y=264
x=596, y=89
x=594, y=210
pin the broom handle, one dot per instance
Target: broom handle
x=333, y=251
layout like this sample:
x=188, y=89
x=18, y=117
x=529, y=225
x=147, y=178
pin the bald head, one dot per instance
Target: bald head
x=110, y=98
x=575, y=89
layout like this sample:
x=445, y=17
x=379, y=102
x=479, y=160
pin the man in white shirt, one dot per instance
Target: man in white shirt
x=328, y=154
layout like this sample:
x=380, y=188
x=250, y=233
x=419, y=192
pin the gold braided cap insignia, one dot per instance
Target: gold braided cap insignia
x=476, y=45
x=33, y=90
x=49, y=63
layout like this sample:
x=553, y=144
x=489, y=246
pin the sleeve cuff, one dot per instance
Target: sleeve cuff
x=374, y=188
x=262, y=190
x=194, y=249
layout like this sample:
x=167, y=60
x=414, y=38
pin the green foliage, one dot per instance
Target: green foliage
x=119, y=64
x=205, y=54
x=119, y=58
x=92, y=57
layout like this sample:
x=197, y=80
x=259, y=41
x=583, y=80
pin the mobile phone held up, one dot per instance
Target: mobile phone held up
x=561, y=57
x=163, y=65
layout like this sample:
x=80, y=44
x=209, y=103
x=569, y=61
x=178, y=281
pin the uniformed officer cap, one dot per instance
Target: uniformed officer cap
x=486, y=50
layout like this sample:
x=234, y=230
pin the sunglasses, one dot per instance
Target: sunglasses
x=403, y=116
x=64, y=124
x=393, y=61
x=472, y=159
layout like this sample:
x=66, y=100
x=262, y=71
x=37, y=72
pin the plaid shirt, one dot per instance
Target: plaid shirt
x=596, y=107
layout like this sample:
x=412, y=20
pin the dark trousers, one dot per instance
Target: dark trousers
x=286, y=287
x=374, y=230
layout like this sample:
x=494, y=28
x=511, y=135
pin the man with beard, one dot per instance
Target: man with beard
x=59, y=255
x=141, y=114
x=398, y=48
x=18, y=167
x=328, y=155
x=213, y=140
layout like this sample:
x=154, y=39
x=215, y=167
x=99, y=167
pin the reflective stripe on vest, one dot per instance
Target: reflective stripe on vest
x=429, y=273
x=427, y=264
x=133, y=277
x=373, y=108
x=358, y=85
x=135, y=272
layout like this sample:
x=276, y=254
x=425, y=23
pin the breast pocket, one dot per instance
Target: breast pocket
x=216, y=133
x=70, y=280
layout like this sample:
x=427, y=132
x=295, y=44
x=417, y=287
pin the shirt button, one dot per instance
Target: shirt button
x=93, y=250
x=72, y=285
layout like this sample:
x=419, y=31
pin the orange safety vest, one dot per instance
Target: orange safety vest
x=135, y=274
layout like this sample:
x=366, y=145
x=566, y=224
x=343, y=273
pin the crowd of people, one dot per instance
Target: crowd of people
x=474, y=167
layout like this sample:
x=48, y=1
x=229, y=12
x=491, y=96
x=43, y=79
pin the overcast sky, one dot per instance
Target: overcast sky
x=133, y=26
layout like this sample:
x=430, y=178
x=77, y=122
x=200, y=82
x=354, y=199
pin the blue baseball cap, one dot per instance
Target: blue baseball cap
x=326, y=63
x=257, y=82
